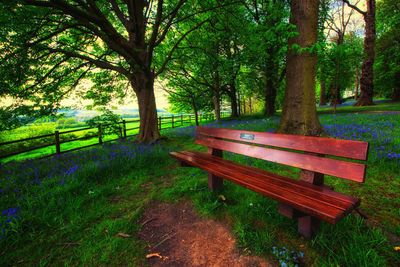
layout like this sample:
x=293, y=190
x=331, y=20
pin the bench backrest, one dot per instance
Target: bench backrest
x=253, y=144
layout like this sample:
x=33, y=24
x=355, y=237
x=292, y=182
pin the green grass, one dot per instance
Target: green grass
x=81, y=210
x=78, y=207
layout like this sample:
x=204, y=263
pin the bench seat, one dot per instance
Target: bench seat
x=308, y=200
x=319, y=202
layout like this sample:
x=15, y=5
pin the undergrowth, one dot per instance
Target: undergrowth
x=71, y=210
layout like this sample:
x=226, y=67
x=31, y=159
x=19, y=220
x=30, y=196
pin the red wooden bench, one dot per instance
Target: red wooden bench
x=307, y=199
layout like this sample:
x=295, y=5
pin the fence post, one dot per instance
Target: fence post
x=124, y=127
x=57, y=137
x=172, y=121
x=190, y=121
x=181, y=120
x=159, y=123
x=99, y=133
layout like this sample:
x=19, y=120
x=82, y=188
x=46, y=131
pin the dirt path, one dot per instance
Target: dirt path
x=177, y=236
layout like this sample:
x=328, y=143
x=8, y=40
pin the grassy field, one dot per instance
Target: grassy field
x=47, y=204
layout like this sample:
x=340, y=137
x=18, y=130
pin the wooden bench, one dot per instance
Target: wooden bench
x=307, y=199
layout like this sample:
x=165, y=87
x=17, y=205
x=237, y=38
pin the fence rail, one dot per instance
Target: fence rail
x=173, y=121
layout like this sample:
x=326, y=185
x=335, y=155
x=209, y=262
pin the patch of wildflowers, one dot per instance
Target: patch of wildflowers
x=31, y=182
x=287, y=257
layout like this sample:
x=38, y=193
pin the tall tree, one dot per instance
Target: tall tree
x=338, y=22
x=185, y=95
x=367, y=68
x=387, y=65
x=114, y=42
x=211, y=58
x=267, y=34
x=299, y=114
x=321, y=73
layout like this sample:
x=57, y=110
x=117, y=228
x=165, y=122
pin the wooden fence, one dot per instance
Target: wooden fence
x=164, y=122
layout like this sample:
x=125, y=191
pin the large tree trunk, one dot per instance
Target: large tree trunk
x=217, y=107
x=217, y=90
x=299, y=114
x=195, y=111
x=270, y=97
x=234, y=106
x=232, y=96
x=336, y=97
x=271, y=77
x=396, y=94
x=336, y=86
x=367, y=76
x=144, y=89
x=322, y=93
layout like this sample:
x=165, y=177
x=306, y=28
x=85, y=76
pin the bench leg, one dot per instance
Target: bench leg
x=308, y=226
x=288, y=211
x=214, y=182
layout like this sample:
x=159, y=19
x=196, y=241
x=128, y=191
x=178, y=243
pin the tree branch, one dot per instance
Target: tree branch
x=47, y=74
x=355, y=8
x=205, y=83
x=97, y=24
x=83, y=74
x=52, y=34
x=156, y=27
x=119, y=13
x=176, y=45
x=172, y=16
x=98, y=62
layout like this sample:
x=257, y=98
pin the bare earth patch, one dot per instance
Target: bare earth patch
x=177, y=236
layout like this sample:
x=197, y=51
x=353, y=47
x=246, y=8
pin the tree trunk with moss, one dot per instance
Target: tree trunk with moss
x=270, y=97
x=195, y=111
x=144, y=89
x=367, y=68
x=234, y=104
x=299, y=114
x=396, y=94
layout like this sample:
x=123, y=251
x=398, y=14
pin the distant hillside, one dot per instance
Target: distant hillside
x=84, y=115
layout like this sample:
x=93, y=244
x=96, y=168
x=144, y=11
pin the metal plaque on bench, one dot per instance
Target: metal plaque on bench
x=247, y=136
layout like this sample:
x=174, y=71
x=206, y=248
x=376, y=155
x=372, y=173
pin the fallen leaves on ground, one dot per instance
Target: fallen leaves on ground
x=148, y=256
x=123, y=235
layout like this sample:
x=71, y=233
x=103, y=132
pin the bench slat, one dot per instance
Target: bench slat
x=327, y=146
x=338, y=200
x=344, y=169
x=315, y=207
x=342, y=201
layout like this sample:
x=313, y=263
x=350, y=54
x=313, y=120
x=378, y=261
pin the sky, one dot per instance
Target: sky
x=356, y=22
